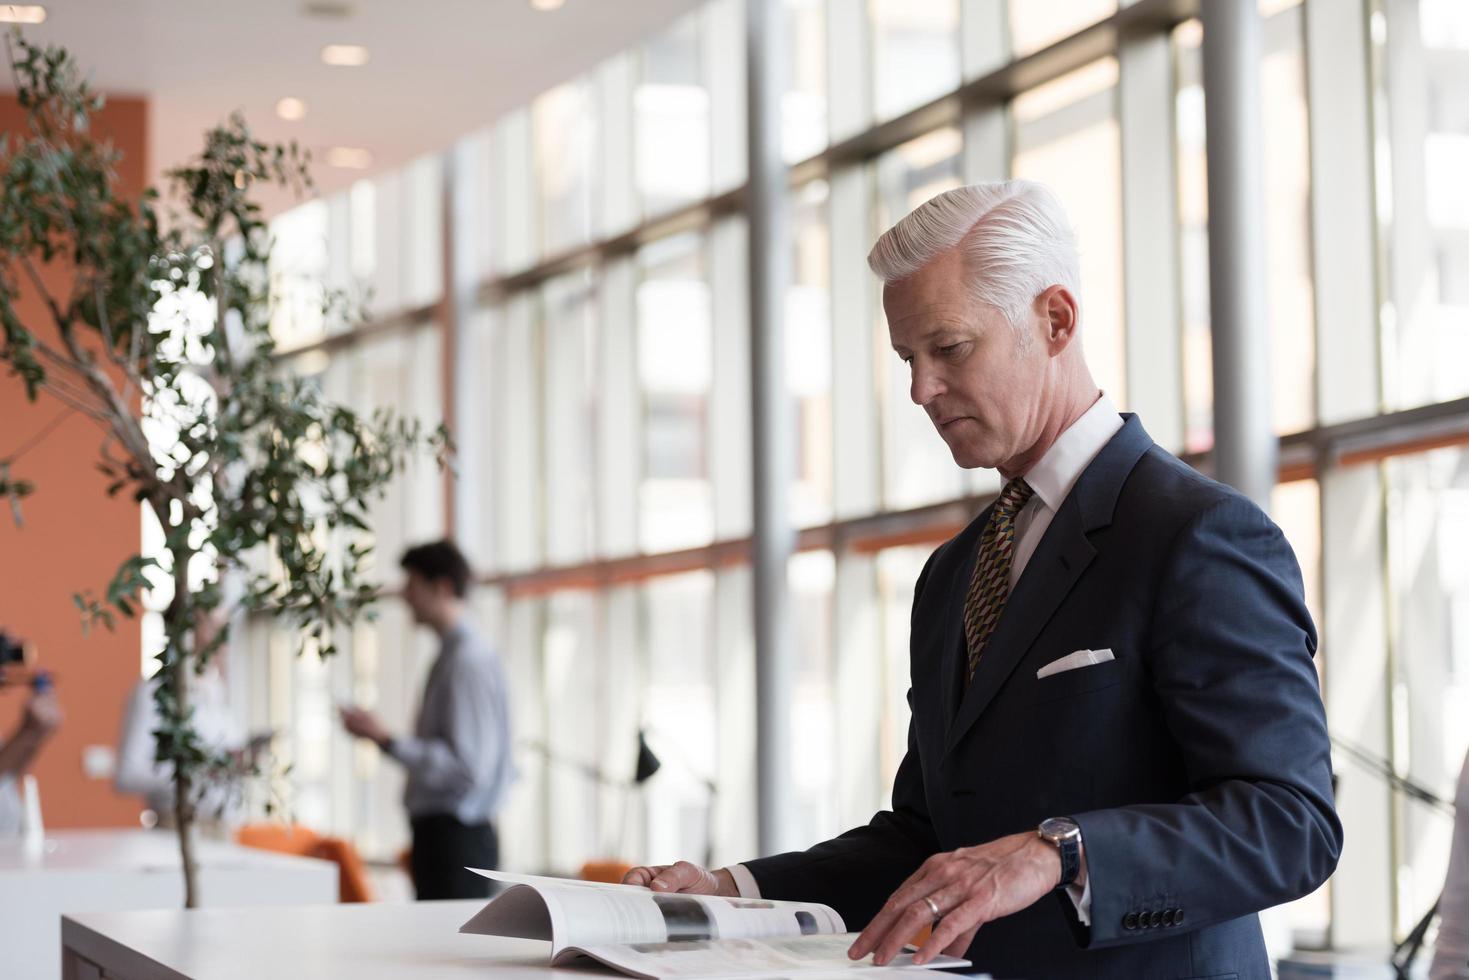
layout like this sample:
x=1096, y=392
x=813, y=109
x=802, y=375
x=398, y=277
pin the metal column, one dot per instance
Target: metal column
x=1245, y=446
x=773, y=539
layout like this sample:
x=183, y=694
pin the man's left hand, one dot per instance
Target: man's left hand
x=364, y=724
x=970, y=886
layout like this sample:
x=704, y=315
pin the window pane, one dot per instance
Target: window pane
x=1035, y=25
x=915, y=48
x=813, y=707
x=565, y=130
x=1428, y=524
x=671, y=106
x=523, y=823
x=1290, y=291
x=518, y=442
x=574, y=682
x=804, y=108
x=569, y=394
x=917, y=468
x=420, y=232
x=1296, y=507
x=1193, y=235
x=674, y=365
x=680, y=713
x=897, y=573
x=1426, y=206
x=298, y=262
x=1075, y=118
x=514, y=243
x=809, y=357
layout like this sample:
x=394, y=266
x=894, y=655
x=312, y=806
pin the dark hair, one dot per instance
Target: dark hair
x=439, y=561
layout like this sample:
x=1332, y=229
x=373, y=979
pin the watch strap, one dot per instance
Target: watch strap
x=1070, y=851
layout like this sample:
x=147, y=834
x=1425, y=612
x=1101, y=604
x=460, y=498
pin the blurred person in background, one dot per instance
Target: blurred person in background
x=458, y=756
x=38, y=722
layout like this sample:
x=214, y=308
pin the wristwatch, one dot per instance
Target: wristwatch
x=1066, y=835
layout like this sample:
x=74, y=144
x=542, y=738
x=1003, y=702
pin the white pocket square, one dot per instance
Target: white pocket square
x=1081, y=658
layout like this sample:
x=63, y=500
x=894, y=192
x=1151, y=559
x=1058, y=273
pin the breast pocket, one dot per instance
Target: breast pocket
x=1078, y=681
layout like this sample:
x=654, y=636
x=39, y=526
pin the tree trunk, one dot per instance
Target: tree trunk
x=183, y=810
x=178, y=678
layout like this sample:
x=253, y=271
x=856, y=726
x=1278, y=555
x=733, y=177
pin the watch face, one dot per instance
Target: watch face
x=1059, y=828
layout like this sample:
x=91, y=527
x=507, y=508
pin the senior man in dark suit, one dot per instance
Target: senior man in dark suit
x=1112, y=689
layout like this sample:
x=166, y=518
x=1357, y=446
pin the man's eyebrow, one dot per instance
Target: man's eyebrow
x=930, y=334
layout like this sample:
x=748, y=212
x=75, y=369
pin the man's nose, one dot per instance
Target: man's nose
x=925, y=386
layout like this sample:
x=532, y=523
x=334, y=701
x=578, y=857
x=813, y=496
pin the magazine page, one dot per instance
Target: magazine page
x=576, y=913
x=569, y=915
x=797, y=956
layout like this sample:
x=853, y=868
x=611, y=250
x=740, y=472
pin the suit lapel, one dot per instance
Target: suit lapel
x=1063, y=554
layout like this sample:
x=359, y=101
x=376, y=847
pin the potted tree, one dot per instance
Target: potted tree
x=162, y=338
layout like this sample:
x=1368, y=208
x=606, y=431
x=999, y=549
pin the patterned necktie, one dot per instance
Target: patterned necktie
x=989, y=587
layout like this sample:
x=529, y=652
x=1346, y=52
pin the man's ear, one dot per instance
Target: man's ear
x=1063, y=317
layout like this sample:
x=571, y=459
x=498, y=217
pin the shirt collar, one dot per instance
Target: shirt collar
x=1058, y=470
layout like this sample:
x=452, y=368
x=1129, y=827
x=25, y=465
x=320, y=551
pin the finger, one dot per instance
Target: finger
x=967, y=918
x=914, y=918
x=895, y=906
x=679, y=877
x=948, y=900
x=642, y=876
x=960, y=946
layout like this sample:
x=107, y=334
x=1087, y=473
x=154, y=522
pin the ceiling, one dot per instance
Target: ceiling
x=438, y=68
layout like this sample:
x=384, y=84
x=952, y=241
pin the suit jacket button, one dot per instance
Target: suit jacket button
x=1129, y=921
x=1168, y=918
x=1178, y=917
x=1157, y=920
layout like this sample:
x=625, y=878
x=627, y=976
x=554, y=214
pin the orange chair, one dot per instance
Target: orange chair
x=352, y=883
x=606, y=870
x=283, y=838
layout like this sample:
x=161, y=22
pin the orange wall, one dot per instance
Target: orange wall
x=73, y=539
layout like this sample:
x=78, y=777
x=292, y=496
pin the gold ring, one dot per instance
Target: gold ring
x=932, y=907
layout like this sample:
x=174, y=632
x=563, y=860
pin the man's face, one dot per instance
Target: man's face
x=421, y=595
x=980, y=382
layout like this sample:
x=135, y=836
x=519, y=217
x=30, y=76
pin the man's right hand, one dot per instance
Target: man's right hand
x=683, y=877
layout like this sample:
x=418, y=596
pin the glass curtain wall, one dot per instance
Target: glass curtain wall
x=604, y=475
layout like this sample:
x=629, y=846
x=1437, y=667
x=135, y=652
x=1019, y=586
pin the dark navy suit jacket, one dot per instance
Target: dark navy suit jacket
x=1197, y=762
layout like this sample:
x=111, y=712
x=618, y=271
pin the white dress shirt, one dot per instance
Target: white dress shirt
x=1052, y=479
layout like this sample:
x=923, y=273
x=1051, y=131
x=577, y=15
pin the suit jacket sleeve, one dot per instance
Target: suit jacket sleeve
x=1230, y=660
x=856, y=872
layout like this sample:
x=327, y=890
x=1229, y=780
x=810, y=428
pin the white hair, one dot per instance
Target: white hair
x=1015, y=236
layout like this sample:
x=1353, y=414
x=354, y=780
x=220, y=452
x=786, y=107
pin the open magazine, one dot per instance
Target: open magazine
x=653, y=935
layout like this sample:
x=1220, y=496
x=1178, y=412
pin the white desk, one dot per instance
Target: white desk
x=417, y=941
x=93, y=871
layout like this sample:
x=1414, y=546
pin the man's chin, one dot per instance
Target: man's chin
x=969, y=459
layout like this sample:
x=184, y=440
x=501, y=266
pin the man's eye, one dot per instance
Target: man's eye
x=950, y=350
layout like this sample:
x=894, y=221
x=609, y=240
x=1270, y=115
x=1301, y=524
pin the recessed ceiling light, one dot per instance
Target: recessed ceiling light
x=14, y=13
x=327, y=9
x=344, y=55
x=349, y=157
x=548, y=4
x=291, y=109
